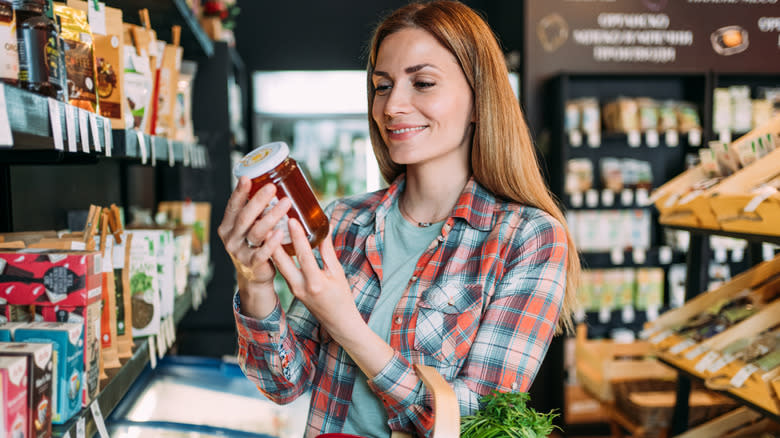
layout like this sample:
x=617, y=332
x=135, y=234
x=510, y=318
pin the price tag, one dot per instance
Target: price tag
x=767, y=251
x=576, y=199
x=70, y=127
x=56, y=124
x=6, y=138
x=642, y=198
x=742, y=375
x=665, y=255
x=628, y=314
x=594, y=139
x=605, y=315
x=67, y=434
x=575, y=138
x=171, y=159
x=97, y=18
x=152, y=351
x=672, y=138
x=84, y=130
x=161, y=344
x=681, y=346
x=721, y=362
x=652, y=312
x=704, y=363
x=607, y=198
x=617, y=256
x=81, y=428
x=648, y=332
x=724, y=136
x=639, y=255
x=141, y=145
x=694, y=137
x=107, y=136
x=171, y=332
x=95, y=133
x=721, y=256
x=99, y=422
x=651, y=138
x=185, y=151
x=660, y=337
x=153, y=149
x=627, y=197
x=634, y=139
x=696, y=352
x=579, y=315
x=592, y=198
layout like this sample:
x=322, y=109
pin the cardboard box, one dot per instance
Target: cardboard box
x=39, y=359
x=13, y=391
x=50, y=277
x=67, y=340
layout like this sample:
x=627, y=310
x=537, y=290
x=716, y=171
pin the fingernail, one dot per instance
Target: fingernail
x=268, y=189
x=285, y=202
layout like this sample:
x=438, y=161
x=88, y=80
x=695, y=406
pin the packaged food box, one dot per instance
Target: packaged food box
x=13, y=391
x=67, y=340
x=50, y=277
x=39, y=359
x=144, y=284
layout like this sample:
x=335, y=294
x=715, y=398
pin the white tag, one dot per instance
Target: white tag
x=634, y=139
x=95, y=133
x=579, y=315
x=642, y=199
x=690, y=196
x=81, y=428
x=594, y=139
x=694, y=137
x=628, y=314
x=721, y=256
x=696, y=352
x=153, y=149
x=152, y=352
x=99, y=422
x=721, y=362
x=724, y=136
x=685, y=344
x=6, y=138
x=107, y=136
x=660, y=337
x=627, y=197
x=651, y=138
x=672, y=138
x=648, y=332
x=97, y=18
x=185, y=152
x=576, y=199
x=188, y=215
x=705, y=362
x=70, y=127
x=56, y=124
x=743, y=374
x=84, y=130
x=671, y=200
x=737, y=255
x=665, y=255
x=763, y=194
x=607, y=198
x=171, y=331
x=639, y=255
x=161, y=345
x=67, y=434
x=617, y=256
x=575, y=138
x=141, y=145
x=605, y=315
x=767, y=251
x=592, y=198
x=171, y=160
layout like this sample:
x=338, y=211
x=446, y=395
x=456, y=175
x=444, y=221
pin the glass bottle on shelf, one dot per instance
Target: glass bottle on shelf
x=40, y=56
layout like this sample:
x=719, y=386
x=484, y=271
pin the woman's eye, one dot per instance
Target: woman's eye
x=423, y=84
x=382, y=89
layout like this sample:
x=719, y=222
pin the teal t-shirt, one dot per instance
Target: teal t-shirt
x=404, y=243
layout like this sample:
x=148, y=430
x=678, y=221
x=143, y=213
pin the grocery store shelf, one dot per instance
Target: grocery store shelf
x=652, y=257
x=754, y=238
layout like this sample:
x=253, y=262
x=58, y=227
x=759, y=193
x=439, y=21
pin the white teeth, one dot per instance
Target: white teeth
x=401, y=131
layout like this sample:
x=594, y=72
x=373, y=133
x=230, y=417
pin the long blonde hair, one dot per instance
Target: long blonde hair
x=500, y=135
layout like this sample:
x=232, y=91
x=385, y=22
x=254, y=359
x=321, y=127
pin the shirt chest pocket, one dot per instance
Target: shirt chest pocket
x=447, y=321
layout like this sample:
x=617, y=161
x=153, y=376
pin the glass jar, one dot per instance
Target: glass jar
x=271, y=163
x=40, y=53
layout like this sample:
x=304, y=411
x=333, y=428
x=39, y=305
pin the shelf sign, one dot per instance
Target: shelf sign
x=56, y=124
x=70, y=127
x=141, y=146
x=95, y=133
x=81, y=428
x=84, y=130
x=99, y=421
x=6, y=139
x=171, y=160
x=107, y=136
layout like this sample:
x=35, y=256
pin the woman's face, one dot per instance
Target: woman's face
x=423, y=104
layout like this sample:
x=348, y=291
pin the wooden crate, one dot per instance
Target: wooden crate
x=694, y=211
x=601, y=362
x=737, y=419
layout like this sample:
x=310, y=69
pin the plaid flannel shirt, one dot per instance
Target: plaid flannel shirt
x=481, y=308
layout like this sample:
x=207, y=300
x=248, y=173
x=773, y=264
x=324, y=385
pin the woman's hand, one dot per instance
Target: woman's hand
x=250, y=238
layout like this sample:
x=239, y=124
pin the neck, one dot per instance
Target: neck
x=429, y=198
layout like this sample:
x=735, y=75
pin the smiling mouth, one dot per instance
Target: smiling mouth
x=405, y=130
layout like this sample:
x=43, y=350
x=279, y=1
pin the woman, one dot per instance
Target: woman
x=464, y=263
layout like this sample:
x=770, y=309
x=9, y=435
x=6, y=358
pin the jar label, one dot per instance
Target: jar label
x=282, y=224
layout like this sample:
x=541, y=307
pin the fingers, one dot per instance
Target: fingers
x=261, y=228
x=329, y=256
x=253, y=208
x=286, y=265
x=303, y=250
x=263, y=253
x=235, y=202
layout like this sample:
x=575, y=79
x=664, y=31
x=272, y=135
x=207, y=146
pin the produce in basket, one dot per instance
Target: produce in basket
x=505, y=414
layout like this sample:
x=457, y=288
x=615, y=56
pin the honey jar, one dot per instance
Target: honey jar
x=271, y=163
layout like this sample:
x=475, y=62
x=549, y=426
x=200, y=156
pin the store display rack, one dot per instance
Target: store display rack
x=658, y=256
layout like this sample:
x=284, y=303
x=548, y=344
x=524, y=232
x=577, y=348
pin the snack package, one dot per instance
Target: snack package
x=579, y=175
x=167, y=86
x=197, y=215
x=124, y=308
x=648, y=113
x=39, y=357
x=9, y=61
x=79, y=57
x=144, y=284
x=139, y=81
x=184, y=130
x=621, y=115
x=106, y=25
x=13, y=394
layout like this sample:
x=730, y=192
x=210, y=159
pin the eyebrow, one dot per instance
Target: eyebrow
x=407, y=70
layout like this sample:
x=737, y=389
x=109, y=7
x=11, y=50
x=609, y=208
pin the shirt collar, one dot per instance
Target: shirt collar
x=476, y=205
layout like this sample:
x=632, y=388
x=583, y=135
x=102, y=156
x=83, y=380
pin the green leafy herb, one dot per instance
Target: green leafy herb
x=505, y=414
x=140, y=283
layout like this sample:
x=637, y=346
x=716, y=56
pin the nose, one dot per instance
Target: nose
x=397, y=102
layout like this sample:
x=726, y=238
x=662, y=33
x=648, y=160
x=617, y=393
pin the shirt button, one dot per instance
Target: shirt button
x=451, y=302
x=413, y=279
x=440, y=238
x=514, y=386
x=398, y=320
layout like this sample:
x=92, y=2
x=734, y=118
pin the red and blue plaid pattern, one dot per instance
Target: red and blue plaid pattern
x=481, y=307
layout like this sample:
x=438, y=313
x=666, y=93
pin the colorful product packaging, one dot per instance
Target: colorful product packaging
x=13, y=391
x=67, y=341
x=144, y=284
x=39, y=358
x=124, y=314
x=79, y=57
x=9, y=48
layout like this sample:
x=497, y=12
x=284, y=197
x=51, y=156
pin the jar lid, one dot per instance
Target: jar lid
x=262, y=160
